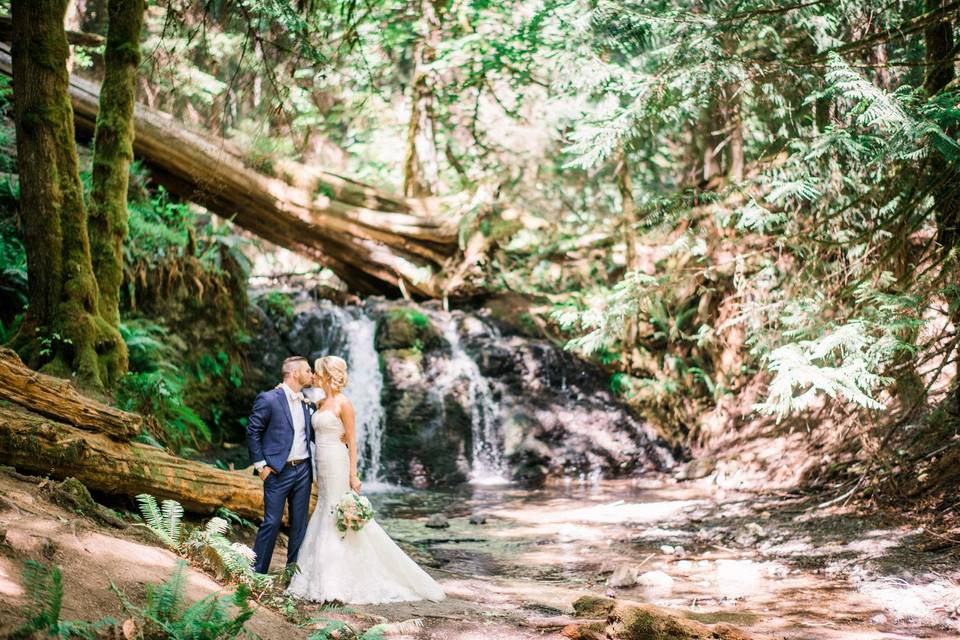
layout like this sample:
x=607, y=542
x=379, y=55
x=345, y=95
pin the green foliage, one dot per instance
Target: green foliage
x=155, y=384
x=277, y=305
x=164, y=520
x=165, y=613
x=207, y=545
x=44, y=591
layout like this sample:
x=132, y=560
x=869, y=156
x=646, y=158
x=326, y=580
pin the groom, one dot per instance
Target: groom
x=278, y=437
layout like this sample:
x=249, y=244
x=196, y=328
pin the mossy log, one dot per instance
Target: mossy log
x=57, y=398
x=375, y=241
x=38, y=444
x=626, y=620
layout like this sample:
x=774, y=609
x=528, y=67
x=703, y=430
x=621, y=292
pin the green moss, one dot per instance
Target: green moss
x=404, y=328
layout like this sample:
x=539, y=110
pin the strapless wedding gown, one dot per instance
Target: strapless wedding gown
x=356, y=567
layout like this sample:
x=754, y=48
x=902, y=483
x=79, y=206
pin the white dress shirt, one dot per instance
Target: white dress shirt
x=299, y=449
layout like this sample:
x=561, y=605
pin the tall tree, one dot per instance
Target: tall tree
x=940, y=54
x=113, y=152
x=63, y=330
x=421, y=164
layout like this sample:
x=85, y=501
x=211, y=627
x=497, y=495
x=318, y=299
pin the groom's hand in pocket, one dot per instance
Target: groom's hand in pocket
x=264, y=473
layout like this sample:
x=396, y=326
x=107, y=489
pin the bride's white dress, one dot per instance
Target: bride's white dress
x=356, y=567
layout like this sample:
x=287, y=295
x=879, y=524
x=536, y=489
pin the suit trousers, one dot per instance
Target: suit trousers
x=291, y=486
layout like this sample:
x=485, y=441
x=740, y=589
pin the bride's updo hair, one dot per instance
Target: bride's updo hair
x=333, y=369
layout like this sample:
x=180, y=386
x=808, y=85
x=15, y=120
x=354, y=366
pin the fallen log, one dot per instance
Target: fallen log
x=375, y=241
x=626, y=620
x=38, y=444
x=56, y=398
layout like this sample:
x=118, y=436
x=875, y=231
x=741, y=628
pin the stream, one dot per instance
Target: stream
x=771, y=564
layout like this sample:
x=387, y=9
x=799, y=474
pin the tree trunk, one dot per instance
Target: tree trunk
x=939, y=41
x=372, y=239
x=421, y=169
x=56, y=398
x=62, y=330
x=39, y=445
x=113, y=152
x=712, y=140
x=629, y=213
x=733, y=122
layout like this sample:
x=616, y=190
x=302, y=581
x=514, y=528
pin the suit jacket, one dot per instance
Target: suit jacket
x=270, y=429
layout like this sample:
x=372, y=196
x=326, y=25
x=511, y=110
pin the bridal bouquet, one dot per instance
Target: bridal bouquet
x=352, y=512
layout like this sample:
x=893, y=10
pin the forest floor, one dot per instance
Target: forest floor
x=771, y=563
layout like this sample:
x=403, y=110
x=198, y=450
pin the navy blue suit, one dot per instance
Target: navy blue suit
x=270, y=437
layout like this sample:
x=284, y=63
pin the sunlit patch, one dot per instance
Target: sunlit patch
x=933, y=603
x=9, y=587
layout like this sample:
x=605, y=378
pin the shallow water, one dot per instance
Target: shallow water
x=770, y=564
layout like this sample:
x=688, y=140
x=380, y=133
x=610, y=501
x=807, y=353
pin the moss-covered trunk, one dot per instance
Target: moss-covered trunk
x=113, y=152
x=63, y=330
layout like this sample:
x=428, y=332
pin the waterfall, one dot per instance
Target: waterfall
x=349, y=333
x=488, y=463
x=364, y=389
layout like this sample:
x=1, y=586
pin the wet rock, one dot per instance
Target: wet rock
x=437, y=521
x=478, y=518
x=427, y=435
x=696, y=469
x=679, y=552
x=593, y=606
x=623, y=576
x=407, y=328
x=655, y=579
x=635, y=621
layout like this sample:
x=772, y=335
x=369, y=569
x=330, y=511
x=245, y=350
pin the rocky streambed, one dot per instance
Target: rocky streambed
x=769, y=564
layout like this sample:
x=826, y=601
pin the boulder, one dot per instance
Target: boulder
x=656, y=580
x=697, y=469
x=407, y=328
x=593, y=606
x=478, y=518
x=623, y=576
x=437, y=521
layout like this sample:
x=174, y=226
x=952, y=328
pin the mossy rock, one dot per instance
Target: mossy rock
x=73, y=495
x=636, y=621
x=593, y=606
x=403, y=328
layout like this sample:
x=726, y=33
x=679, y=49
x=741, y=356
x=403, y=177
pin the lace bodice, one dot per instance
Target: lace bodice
x=327, y=428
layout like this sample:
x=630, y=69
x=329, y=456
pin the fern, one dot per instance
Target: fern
x=164, y=520
x=166, y=614
x=44, y=592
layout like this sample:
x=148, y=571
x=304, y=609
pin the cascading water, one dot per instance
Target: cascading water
x=488, y=464
x=448, y=398
x=349, y=333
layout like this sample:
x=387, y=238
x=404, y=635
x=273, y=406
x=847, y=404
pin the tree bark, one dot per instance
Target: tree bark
x=370, y=238
x=421, y=169
x=58, y=399
x=733, y=121
x=939, y=40
x=113, y=152
x=629, y=213
x=37, y=444
x=62, y=330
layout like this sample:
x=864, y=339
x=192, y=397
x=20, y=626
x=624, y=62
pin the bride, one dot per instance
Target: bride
x=356, y=567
